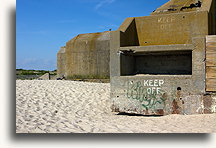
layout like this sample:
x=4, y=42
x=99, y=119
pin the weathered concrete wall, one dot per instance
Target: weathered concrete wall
x=173, y=23
x=140, y=83
x=176, y=28
x=168, y=29
x=129, y=35
x=159, y=94
x=87, y=55
x=61, y=62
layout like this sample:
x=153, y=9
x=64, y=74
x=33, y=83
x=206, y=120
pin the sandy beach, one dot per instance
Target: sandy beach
x=84, y=107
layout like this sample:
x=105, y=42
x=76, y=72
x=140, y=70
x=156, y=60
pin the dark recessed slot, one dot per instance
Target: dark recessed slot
x=157, y=63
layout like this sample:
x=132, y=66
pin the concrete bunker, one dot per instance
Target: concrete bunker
x=158, y=62
x=85, y=56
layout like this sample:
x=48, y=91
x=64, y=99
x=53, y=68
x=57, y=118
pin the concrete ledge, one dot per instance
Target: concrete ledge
x=157, y=48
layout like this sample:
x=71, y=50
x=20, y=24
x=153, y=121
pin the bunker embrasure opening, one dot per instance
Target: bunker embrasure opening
x=156, y=63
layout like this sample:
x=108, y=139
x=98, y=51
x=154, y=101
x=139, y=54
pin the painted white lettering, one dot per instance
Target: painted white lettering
x=158, y=90
x=161, y=82
x=151, y=83
x=159, y=20
x=149, y=90
x=155, y=82
x=145, y=82
x=172, y=19
x=166, y=20
x=153, y=90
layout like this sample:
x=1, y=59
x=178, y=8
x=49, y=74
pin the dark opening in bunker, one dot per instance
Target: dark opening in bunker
x=156, y=63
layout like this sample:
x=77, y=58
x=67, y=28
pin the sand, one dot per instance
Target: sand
x=83, y=107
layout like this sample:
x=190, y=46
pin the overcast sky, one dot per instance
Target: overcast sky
x=43, y=26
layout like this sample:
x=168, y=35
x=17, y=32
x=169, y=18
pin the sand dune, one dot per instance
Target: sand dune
x=82, y=107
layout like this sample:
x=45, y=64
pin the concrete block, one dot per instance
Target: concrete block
x=162, y=70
